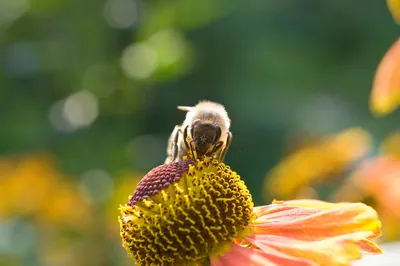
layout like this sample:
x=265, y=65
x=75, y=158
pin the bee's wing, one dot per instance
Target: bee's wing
x=170, y=145
x=185, y=108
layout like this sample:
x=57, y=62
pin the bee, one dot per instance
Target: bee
x=204, y=132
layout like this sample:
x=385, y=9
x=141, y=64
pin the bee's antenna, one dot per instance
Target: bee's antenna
x=185, y=108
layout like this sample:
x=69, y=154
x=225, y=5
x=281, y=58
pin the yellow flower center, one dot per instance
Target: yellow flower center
x=182, y=213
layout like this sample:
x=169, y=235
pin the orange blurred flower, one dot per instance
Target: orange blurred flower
x=385, y=95
x=330, y=156
x=378, y=179
x=394, y=7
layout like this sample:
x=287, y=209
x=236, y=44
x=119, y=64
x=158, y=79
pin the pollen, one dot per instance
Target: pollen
x=184, y=212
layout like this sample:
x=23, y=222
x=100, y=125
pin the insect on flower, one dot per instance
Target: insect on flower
x=196, y=211
x=204, y=132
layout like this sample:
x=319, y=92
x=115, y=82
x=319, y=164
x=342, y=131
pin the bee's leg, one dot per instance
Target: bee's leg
x=193, y=149
x=185, y=135
x=226, y=147
x=217, y=146
x=217, y=133
x=188, y=144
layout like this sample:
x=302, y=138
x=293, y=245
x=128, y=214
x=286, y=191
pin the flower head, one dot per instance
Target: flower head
x=187, y=213
x=181, y=213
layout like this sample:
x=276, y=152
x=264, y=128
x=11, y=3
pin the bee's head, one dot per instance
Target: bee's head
x=205, y=133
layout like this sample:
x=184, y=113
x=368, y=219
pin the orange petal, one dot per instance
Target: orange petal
x=242, y=256
x=385, y=95
x=332, y=251
x=394, y=7
x=314, y=220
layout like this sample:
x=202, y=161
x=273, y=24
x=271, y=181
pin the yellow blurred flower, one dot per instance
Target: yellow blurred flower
x=394, y=7
x=385, y=95
x=26, y=185
x=330, y=156
x=67, y=207
x=202, y=213
x=33, y=186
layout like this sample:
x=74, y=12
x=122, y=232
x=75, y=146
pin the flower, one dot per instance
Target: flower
x=198, y=213
x=53, y=199
x=329, y=156
x=376, y=180
x=394, y=7
x=391, y=145
x=385, y=95
x=379, y=178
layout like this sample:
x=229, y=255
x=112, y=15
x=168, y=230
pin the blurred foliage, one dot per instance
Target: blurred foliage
x=89, y=89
